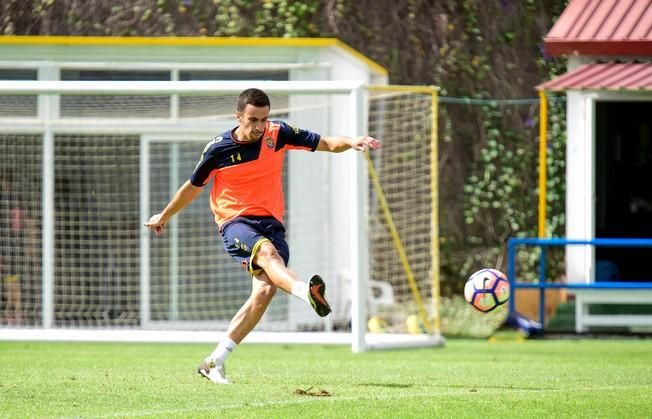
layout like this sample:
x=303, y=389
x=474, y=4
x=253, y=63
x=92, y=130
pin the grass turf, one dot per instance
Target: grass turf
x=467, y=378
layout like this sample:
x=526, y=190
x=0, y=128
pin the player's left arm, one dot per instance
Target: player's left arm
x=305, y=139
x=337, y=144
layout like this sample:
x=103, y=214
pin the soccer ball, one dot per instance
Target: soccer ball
x=487, y=289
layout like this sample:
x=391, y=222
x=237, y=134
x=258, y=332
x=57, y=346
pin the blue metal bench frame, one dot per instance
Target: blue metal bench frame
x=542, y=285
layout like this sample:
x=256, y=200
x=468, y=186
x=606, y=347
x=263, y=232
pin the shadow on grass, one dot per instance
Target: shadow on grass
x=475, y=388
x=388, y=385
x=472, y=389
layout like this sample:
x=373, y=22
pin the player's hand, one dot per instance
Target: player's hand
x=156, y=223
x=364, y=142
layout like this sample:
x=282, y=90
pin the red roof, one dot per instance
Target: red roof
x=602, y=27
x=604, y=76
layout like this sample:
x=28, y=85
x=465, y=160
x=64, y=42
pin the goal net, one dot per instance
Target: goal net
x=403, y=213
x=89, y=162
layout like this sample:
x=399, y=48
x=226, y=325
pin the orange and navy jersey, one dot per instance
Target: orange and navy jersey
x=247, y=177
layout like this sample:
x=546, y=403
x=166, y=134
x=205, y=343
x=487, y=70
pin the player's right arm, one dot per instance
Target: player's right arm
x=189, y=190
x=184, y=196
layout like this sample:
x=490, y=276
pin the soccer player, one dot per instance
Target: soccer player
x=245, y=165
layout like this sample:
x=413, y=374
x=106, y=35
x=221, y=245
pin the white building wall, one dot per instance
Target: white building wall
x=580, y=185
x=581, y=175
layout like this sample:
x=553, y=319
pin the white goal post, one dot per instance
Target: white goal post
x=92, y=160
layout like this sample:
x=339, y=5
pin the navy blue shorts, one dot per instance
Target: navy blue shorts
x=242, y=237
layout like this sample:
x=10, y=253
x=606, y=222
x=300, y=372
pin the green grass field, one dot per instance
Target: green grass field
x=467, y=378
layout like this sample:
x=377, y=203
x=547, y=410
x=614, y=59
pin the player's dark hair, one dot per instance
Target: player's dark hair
x=255, y=97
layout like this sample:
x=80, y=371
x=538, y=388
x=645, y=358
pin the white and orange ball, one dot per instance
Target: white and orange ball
x=487, y=289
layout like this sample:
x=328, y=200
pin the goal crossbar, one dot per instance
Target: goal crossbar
x=190, y=87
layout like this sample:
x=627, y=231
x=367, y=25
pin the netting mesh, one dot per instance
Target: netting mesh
x=97, y=217
x=96, y=230
x=137, y=106
x=193, y=283
x=192, y=277
x=403, y=122
x=20, y=229
x=17, y=106
x=222, y=106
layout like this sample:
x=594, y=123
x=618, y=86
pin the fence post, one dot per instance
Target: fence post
x=511, y=271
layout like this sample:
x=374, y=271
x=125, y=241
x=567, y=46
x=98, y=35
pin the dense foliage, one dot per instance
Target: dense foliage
x=471, y=48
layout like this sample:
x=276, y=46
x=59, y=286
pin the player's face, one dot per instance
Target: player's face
x=252, y=122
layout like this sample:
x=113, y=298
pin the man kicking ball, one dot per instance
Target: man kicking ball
x=246, y=164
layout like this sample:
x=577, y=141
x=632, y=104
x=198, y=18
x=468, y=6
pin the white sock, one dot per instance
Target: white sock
x=223, y=349
x=300, y=289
